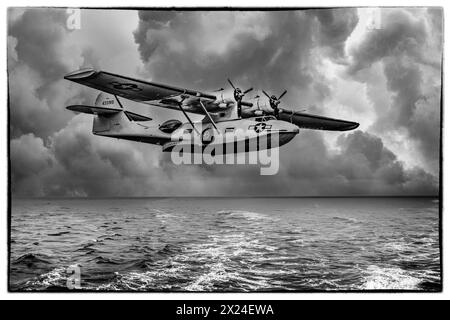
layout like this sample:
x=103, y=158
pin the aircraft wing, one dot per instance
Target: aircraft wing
x=309, y=121
x=145, y=91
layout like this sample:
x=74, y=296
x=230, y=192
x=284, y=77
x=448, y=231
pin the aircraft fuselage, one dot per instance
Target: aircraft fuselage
x=239, y=135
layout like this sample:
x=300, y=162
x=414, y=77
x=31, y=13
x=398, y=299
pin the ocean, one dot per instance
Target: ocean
x=225, y=244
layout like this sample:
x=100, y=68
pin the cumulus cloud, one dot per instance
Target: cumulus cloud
x=37, y=29
x=38, y=57
x=41, y=50
x=335, y=27
x=408, y=46
x=30, y=161
x=54, y=152
x=400, y=33
x=266, y=50
x=75, y=164
x=362, y=166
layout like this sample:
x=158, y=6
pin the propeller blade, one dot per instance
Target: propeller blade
x=267, y=95
x=285, y=91
x=231, y=84
x=248, y=90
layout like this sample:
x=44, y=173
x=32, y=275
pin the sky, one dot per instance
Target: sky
x=378, y=67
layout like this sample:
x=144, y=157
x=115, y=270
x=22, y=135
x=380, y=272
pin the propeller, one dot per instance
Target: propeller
x=238, y=93
x=274, y=101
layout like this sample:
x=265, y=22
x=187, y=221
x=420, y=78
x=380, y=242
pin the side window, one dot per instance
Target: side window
x=187, y=131
x=170, y=126
x=229, y=130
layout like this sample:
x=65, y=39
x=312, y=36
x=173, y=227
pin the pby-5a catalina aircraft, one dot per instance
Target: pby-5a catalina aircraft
x=222, y=116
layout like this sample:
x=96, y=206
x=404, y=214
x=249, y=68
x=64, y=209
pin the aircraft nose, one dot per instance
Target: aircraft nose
x=293, y=128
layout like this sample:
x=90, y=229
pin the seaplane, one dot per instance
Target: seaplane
x=209, y=116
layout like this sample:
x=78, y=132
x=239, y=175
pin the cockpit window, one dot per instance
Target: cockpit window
x=265, y=118
x=170, y=126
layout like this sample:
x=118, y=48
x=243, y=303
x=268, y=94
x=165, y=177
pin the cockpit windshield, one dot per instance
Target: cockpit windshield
x=265, y=118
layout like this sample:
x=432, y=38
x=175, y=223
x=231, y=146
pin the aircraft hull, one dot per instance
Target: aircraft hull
x=257, y=143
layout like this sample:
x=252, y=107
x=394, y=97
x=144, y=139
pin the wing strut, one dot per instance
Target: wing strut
x=208, y=115
x=118, y=101
x=186, y=115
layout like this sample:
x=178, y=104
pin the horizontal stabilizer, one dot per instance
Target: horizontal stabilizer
x=92, y=110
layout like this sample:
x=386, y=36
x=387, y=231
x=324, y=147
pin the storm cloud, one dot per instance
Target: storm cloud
x=311, y=53
x=38, y=55
x=408, y=46
x=75, y=164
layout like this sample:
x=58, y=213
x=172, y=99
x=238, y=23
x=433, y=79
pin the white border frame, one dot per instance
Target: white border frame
x=208, y=296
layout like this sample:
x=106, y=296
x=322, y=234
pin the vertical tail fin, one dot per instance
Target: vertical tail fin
x=108, y=123
x=105, y=100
